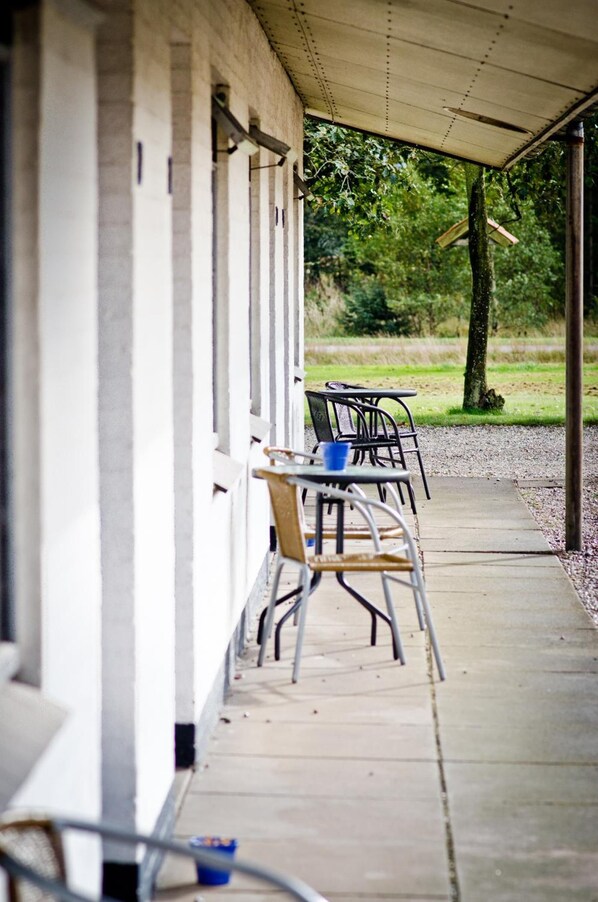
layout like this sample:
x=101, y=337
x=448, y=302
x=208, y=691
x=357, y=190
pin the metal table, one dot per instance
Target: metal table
x=375, y=394
x=319, y=475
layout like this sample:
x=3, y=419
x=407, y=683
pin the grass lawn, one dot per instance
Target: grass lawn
x=534, y=392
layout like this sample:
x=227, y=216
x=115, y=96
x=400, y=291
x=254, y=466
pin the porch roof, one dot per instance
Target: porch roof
x=483, y=80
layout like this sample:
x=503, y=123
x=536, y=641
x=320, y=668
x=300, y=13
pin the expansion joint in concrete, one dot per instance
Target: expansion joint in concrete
x=455, y=892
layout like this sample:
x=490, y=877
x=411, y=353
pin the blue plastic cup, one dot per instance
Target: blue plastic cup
x=206, y=874
x=335, y=454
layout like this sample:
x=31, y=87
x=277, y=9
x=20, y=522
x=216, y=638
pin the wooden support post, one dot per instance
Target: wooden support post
x=574, y=340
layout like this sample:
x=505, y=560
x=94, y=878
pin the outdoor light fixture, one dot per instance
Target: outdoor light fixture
x=487, y=120
x=232, y=128
x=284, y=151
x=302, y=188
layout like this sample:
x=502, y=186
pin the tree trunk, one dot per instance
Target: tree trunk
x=482, y=289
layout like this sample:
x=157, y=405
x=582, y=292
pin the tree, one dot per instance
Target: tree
x=476, y=394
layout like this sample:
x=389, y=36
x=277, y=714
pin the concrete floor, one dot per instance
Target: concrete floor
x=373, y=781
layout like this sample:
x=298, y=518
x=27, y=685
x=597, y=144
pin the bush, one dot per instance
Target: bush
x=367, y=312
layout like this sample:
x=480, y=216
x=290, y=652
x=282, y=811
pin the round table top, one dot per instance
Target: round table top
x=362, y=475
x=370, y=393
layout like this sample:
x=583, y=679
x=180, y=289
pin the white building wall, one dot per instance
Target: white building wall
x=233, y=50
x=113, y=348
x=153, y=415
x=55, y=282
x=136, y=424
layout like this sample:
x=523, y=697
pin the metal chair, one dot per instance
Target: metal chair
x=376, y=436
x=31, y=854
x=290, y=456
x=345, y=422
x=288, y=518
x=350, y=533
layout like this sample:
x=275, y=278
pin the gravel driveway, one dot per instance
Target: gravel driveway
x=534, y=456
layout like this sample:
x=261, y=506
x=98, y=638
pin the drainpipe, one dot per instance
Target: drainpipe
x=574, y=340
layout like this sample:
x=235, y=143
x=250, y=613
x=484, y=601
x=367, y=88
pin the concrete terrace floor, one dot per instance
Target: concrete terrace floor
x=373, y=781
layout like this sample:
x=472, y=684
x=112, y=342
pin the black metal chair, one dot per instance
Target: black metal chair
x=345, y=422
x=376, y=437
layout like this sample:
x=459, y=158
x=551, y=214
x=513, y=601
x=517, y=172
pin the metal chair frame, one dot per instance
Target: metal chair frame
x=410, y=433
x=22, y=873
x=289, y=456
x=376, y=436
x=284, y=495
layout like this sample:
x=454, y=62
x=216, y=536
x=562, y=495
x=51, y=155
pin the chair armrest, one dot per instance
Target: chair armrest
x=289, y=455
x=376, y=414
x=292, y=885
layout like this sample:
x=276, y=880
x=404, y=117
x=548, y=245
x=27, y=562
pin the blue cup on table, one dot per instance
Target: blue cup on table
x=335, y=454
x=208, y=875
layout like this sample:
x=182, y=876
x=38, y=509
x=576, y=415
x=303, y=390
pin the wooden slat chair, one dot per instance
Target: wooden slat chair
x=350, y=532
x=32, y=856
x=288, y=518
x=290, y=456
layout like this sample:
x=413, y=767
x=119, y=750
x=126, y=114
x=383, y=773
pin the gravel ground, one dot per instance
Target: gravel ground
x=535, y=458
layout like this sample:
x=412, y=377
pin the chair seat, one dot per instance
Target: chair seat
x=358, y=562
x=357, y=532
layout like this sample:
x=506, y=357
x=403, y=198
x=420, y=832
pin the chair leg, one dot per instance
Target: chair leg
x=429, y=622
x=267, y=631
x=418, y=604
x=394, y=624
x=302, y=618
x=423, y=472
x=412, y=497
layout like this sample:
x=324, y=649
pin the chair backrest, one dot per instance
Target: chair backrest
x=36, y=844
x=344, y=417
x=334, y=385
x=318, y=408
x=288, y=514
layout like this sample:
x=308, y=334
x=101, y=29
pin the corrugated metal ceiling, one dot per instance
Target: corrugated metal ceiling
x=419, y=70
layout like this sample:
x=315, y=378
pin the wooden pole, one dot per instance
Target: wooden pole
x=574, y=340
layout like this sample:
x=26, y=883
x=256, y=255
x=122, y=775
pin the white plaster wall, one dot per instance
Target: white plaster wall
x=115, y=364
x=277, y=310
x=299, y=402
x=64, y=321
x=136, y=414
x=232, y=537
x=183, y=375
x=153, y=417
x=95, y=387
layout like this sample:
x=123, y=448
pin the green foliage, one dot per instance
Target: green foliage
x=325, y=241
x=367, y=312
x=380, y=207
x=351, y=173
x=528, y=277
x=422, y=283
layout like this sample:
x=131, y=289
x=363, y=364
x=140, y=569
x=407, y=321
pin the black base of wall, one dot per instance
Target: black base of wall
x=184, y=744
x=120, y=881
x=135, y=882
